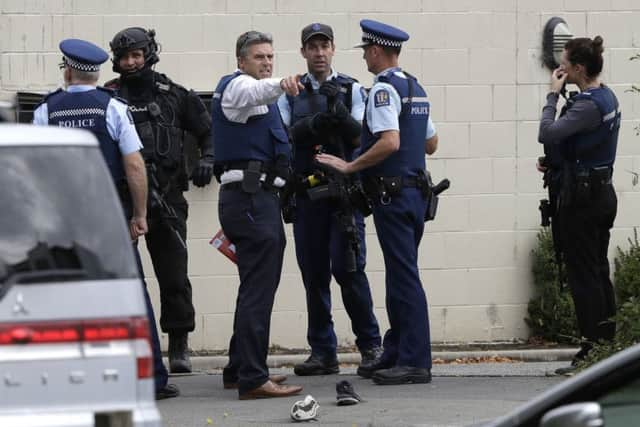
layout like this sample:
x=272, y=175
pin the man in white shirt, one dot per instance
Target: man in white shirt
x=252, y=162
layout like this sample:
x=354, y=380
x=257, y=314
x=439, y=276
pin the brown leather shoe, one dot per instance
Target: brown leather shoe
x=271, y=389
x=275, y=378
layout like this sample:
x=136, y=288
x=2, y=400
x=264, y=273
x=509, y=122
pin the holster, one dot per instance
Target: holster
x=430, y=197
x=581, y=185
x=546, y=212
x=251, y=177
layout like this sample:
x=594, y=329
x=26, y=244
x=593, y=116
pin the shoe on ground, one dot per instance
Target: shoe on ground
x=305, y=410
x=402, y=375
x=579, y=357
x=370, y=361
x=567, y=370
x=316, y=365
x=346, y=395
x=179, y=362
x=233, y=384
x=271, y=389
x=167, y=392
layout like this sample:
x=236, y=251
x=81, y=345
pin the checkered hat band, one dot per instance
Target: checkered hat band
x=380, y=40
x=80, y=65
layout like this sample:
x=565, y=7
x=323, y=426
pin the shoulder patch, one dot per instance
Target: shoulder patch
x=381, y=98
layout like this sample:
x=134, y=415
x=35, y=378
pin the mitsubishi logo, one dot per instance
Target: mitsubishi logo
x=18, y=307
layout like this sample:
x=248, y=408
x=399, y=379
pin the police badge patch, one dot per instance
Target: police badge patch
x=381, y=98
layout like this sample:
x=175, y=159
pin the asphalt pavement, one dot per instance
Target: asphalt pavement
x=460, y=394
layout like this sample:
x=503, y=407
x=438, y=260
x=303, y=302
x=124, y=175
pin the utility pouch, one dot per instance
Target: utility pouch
x=392, y=185
x=330, y=190
x=251, y=177
x=145, y=132
x=376, y=188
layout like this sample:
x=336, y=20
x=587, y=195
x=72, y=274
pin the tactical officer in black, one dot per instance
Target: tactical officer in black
x=165, y=114
x=585, y=138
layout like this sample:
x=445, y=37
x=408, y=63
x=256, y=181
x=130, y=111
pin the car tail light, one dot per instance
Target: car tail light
x=74, y=331
x=85, y=331
x=145, y=366
x=144, y=357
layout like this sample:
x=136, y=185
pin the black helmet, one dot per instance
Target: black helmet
x=134, y=38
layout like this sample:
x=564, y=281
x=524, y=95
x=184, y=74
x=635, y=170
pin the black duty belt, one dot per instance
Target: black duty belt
x=411, y=181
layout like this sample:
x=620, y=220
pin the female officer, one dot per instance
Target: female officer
x=586, y=134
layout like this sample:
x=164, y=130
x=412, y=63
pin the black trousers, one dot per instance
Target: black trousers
x=585, y=230
x=169, y=261
x=252, y=222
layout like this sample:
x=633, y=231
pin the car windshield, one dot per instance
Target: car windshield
x=60, y=217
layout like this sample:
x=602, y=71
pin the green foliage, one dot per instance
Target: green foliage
x=551, y=313
x=627, y=273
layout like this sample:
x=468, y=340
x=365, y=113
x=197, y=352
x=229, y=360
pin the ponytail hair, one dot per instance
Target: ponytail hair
x=587, y=52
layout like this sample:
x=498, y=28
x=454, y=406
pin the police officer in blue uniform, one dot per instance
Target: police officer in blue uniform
x=586, y=137
x=321, y=240
x=83, y=105
x=392, y=165
x=252, y=163
x=167, y=116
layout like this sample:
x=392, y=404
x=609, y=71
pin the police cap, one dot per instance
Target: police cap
x=82, y=55
x=374, y=32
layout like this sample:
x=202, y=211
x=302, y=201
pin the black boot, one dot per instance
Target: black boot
x=371, y=361
x=316, y=365
x=179, y=362
x=167, y=392
x=402, y=375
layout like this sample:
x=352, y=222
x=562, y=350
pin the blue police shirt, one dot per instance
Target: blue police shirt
x=357, y=99
x=384, y=107
x=119, y=124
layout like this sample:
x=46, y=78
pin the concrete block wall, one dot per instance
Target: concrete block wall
x=480, y=64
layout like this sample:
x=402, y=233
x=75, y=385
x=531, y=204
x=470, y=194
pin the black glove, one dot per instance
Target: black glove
x=330, y=89
x=202, y=174
x=341, y=111
x=282, y=166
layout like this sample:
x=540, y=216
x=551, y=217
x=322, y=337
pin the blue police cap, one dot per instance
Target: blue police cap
x=374, y=32
x=82, y=55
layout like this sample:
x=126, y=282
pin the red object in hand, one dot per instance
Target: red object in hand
x=224, y=245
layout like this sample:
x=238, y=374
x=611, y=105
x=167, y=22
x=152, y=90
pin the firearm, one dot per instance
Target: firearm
x=158, y=206
x=325, y=183
x=432, y=192
x=545, y=207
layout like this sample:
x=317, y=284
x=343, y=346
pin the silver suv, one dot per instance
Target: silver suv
x=74, y=336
